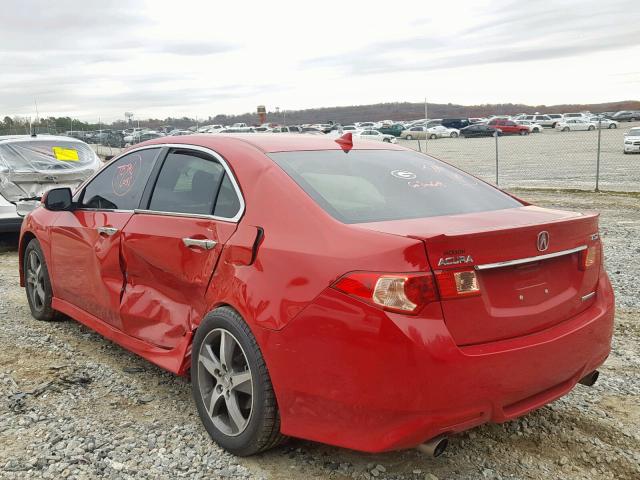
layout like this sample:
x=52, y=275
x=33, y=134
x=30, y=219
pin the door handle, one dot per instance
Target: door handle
x=195, y=242
x=107, y=230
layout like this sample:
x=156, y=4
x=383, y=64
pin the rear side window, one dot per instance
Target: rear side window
x=119, y=185
x=186, y=184
x=378, y=185
x=190, y=182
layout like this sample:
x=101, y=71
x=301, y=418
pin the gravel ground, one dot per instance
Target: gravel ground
x=73, y=405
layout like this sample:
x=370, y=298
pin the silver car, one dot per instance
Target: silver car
x=31, y=165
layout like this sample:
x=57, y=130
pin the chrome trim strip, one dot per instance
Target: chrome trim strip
x=186, y=146
x=588, y=296
x=537, y=258
x=187, y=215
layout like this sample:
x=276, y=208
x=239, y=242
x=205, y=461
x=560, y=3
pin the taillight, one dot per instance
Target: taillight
x=405, y=293
x=457, y=283
x=590, y=256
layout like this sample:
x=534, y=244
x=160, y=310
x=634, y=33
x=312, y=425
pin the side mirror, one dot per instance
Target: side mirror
x=58, y=199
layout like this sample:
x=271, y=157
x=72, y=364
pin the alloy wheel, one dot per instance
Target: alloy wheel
x=35, y=280
x=225, y=382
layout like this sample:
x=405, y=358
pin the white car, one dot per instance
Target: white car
x=533, y=126
x=572, y=124
x=544, y=120
x=601, y=122
x=632, y=141
x=31, y=165
x=438, y=131
x=374, y=135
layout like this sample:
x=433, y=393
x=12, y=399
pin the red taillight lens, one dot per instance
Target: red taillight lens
x=457, y=283
x=590, y=257
x=406, y=293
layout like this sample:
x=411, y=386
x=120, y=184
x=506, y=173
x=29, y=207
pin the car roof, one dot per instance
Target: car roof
x=268, y=143
x=38, y=138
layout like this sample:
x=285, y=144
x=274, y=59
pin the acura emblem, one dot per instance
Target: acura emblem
x=543, y=241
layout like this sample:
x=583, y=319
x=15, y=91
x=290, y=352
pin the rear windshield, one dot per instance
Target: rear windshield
x=45, y=155
x=377, y=185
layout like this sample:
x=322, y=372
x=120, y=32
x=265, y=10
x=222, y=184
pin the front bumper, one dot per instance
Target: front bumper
x=632, y=148
x=351, y=375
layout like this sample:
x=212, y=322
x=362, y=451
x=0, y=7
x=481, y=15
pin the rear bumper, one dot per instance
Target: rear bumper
x=353, y=376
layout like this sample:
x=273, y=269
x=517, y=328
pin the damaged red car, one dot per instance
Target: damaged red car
x=358, y=294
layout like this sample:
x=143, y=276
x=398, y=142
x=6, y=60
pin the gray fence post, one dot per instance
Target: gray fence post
x=496, y=134
x=598, y=155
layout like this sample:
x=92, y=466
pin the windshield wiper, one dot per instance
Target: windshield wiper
x=27, y=199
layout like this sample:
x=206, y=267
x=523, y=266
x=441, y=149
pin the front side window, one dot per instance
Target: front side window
x=380, y=185
x=119, y=185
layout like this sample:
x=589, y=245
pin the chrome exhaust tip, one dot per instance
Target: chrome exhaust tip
x=589, y=379
x=434, y=447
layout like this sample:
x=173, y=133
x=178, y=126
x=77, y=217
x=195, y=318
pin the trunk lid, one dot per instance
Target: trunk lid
x=523, y=289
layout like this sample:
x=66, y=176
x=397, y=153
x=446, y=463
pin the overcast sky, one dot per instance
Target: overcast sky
x=157, y=59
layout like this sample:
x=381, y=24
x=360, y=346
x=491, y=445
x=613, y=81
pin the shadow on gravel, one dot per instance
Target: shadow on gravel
x=8, y=242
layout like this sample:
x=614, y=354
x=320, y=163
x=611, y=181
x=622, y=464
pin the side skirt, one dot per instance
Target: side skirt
x=176, y=360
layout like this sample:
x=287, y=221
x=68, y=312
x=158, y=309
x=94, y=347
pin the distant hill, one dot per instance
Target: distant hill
x=410, y=111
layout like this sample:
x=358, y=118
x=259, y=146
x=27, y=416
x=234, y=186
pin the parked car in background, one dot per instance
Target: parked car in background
x=574, y=124
x=179, y=133
x=479, y=130
x=414, y=133
x=311, y=130
x=291, y=129
x=363, y=295
x=603, y=122
x=237, y=130
x=632, y=141
x=364, y=125
x=440, y=131
x=77, y=134
x=29, y=166
x=626, y=116
x=580, y=115
x=509, y=127
x=374, y=135
x=456, y=123
x=141, y=136
x=556, y=117
x=544, y=120
x=394, y=129
x=533, y=127
x=350, y=128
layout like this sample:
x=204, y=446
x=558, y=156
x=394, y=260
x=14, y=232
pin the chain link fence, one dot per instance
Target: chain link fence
x=584, y=160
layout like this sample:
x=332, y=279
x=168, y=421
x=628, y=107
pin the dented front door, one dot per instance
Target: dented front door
x=86, y=264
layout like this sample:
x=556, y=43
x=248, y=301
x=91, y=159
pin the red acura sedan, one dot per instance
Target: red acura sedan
x=358, y=294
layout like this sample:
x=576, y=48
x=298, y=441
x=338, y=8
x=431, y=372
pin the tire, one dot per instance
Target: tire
x=613, y=125
x=524, y=132
x=453, y=135
x=625, y=152
x=632, y=119
x=386, y=140
x=432, y=136
x=565, y=129
x=553, y=125
x=38, y=284
x=591, y=128
x=409, y=137
x=261, y=428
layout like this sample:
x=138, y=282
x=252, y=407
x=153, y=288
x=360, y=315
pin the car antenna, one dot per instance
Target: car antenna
x=345, y=142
